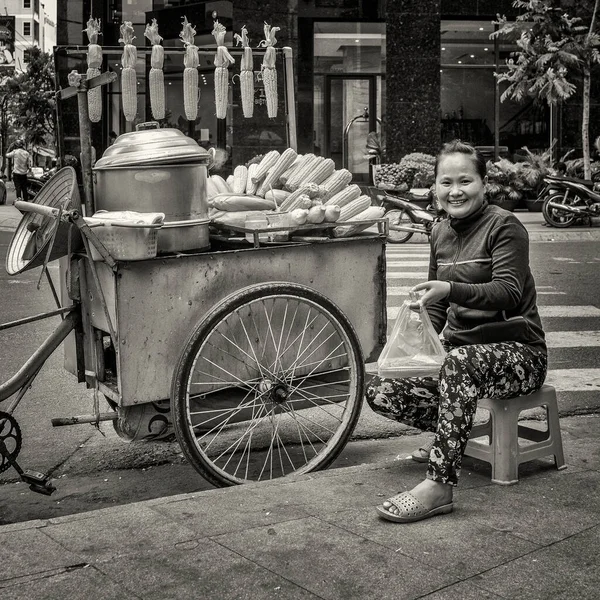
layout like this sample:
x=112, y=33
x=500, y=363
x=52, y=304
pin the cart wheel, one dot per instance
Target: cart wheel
x=269, y=384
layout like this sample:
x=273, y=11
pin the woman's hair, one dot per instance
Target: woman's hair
x=458, y=147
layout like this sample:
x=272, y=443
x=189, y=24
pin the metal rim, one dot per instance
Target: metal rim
x=557, y=217
x=270, y=385
x=401, y=217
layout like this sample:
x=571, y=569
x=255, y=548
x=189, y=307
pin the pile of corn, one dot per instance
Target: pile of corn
x=307, y=187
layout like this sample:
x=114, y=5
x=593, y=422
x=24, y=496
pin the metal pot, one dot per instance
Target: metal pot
x=158, y=170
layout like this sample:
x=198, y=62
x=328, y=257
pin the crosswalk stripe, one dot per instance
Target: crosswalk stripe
x=544, y=293
x=545, y=311
x=400, y=290
x=574, y=380
x=411, y=263
x=572, y=339
x=399, y=256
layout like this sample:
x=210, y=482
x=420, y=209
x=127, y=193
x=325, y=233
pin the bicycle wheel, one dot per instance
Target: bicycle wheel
x=269, y=384
x=398, y=217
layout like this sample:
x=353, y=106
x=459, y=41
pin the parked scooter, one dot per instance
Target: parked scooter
x=35, y=184
x=567, y=200
x=406, y=217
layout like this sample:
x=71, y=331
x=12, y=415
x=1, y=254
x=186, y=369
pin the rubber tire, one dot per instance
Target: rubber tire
x=399, y=237
x=186, y=437
x=547, y=213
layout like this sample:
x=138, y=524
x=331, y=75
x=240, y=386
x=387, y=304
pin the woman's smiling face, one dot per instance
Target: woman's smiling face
x=459, y=187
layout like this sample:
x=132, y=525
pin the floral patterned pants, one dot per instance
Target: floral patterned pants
x=447, y=406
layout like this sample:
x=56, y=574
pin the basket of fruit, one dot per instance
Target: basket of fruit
x=391, y=176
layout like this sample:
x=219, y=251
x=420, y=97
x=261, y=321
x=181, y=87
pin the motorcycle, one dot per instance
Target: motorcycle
x=35, y=183
x=407, y=217
x=567, y=200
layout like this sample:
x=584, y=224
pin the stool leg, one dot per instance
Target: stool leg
x=505, y=438
x=555, y=435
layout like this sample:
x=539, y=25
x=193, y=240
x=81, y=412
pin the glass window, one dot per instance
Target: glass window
x=349, y=70
x=26, y=28
x=26, y=3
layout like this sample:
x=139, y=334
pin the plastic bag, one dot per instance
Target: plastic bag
x=413, y=348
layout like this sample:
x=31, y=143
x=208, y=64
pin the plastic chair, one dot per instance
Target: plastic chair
x=504, y=452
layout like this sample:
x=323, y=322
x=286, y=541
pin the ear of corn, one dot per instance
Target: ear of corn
x=292, y=168
x=94, y=62
x=268, y=68
x=303, y=172
x=128, y=75
x=336, y=182
x=240, y=176
x=277, y=195
x=321, y=172
x=235, y=202
x=352, y=192
x=222, y=61
x=156, y=79
x=353, y=208
x=246, y=74
x=283, y=162
x=251, y=187
x=229, y=181
x=292, y=201
x=268, y=161
x=220, y=184
x=191, y=93
x=370, y=213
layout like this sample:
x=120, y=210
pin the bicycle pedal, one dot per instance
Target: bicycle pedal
x=38, y=482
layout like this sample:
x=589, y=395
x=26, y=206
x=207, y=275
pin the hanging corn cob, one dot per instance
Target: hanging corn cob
x=269, y=72
x=156, y=79
x=94, y=61
x=128, y=81
x=191, y=92
x=246, y=74
x=222, y=61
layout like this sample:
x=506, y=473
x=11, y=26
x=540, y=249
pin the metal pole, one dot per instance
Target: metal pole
x=290, y=98
x=85, y=133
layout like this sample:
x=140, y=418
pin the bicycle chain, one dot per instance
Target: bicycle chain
x=9, y=430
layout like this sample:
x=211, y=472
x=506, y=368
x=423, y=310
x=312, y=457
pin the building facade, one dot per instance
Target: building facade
x=418, y=71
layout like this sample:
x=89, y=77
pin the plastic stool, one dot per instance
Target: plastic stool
x=503, y=430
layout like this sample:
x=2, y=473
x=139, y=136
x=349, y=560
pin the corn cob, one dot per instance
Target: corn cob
x=246, y=74
x=323, y=170
x=337, y=182
x=222, y=61
x=303, y=172
x=290, y=170
x=240, y=176
x=94, y=61
x=277, y=195
x=269, y=160
x=235, y=202
x=268, y=69
x=352, y=192
x=156, y=78
x=128, y=76
x=220, y=184
x=370, y=213
x=251, y=187
x=191, y=92
x=229, y=181
x=354, y=207
x=283, y=162
x=292, y=202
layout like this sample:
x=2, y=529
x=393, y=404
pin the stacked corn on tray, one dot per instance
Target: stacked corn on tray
x=306, y=188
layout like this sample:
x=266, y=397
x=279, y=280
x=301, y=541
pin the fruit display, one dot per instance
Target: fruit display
x=303, y=190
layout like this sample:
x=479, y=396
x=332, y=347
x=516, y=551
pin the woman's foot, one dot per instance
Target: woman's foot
x=422, y=454
x=427, y=499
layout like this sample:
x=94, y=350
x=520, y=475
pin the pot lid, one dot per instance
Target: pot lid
x=167, y=146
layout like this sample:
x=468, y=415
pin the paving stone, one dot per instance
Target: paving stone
x=28, y=551
x=79, y=584
x=200, y=569
x=125, y=530
x=565, y=570
x=550, y=507
x=333, y=563
x=451, y=543
x=462, y=591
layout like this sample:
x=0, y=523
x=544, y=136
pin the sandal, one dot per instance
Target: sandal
x=422, y=454
x=411, y=509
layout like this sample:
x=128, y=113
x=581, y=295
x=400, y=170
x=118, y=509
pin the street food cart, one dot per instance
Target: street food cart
x=250, y=349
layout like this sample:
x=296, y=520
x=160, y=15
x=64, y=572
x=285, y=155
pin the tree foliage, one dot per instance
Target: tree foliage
x=34, y=99
x=555, y=51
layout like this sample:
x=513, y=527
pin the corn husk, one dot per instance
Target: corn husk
x=156, y=76
x=268, y=69
x=222, y=61
x=94, y=61
x=191, y=91
x=246, y=74
x=128, y=79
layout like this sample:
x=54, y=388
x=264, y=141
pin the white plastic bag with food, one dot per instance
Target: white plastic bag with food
x=413, y=348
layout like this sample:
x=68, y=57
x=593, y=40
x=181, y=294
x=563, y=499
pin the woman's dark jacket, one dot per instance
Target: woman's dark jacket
x=485, y=257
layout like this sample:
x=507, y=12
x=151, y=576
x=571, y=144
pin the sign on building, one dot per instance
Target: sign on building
x=7, y=45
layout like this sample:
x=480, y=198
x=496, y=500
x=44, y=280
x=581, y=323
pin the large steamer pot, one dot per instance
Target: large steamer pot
x=158, y=170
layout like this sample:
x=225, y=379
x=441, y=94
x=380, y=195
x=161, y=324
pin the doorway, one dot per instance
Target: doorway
x=350, y=111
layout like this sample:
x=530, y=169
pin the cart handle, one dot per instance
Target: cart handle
x=41, y=209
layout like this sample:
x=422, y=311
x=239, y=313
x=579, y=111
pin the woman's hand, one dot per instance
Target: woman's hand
x=434, y=292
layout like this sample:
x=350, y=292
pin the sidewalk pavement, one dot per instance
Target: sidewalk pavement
x=533, y=221
x=318, y=536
